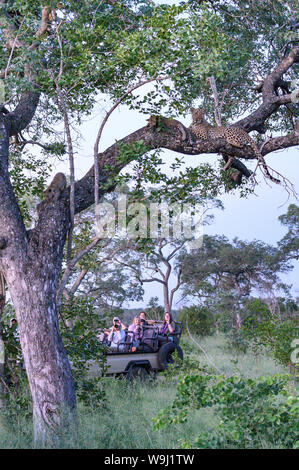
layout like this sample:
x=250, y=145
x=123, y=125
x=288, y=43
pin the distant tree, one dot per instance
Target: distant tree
x=153, y=264
x=198, y=318
x=288, y=306
x=232, y=269
x=154, y=310
x=289, y=244
x=155, y=259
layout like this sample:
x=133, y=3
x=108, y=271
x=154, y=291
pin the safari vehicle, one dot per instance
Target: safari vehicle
x=148, y=357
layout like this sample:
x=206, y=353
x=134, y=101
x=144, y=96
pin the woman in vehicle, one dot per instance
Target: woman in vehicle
x=166, y=329
x=136, y=331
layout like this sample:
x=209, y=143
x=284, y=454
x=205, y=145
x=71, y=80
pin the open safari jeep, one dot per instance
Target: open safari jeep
x=148, y=357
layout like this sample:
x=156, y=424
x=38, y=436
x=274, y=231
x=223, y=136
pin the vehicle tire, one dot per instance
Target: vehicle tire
x=165, y=354
x=137, y=373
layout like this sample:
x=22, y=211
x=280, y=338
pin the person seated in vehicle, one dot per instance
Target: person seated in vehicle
x=116, y=336
x=166, y=329
x=142, y=318
x=144, y=322
x=102, y=336
x=135, y=330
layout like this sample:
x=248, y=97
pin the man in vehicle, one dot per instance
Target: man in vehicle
x=144, y=321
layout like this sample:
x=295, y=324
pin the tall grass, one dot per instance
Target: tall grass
x=228, y=360
x=127, y=420
x=127, y=423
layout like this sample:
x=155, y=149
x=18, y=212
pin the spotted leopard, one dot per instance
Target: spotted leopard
x=233, y=135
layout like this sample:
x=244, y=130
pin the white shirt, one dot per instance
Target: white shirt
x=116, y=337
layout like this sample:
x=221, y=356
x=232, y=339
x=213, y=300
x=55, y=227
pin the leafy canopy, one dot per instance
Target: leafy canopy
x=106, y=47
x=97, y=50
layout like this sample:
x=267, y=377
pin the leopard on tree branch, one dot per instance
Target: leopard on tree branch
x=235, y=136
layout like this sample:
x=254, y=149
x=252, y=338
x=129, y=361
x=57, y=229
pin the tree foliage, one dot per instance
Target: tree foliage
x=289, y=244
x=199, y=319
x=237, y=267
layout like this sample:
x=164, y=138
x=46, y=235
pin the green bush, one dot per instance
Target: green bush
x=83, y=348
x=237, y=341
x=274, y=334
x=200, y=320
x=251, y=412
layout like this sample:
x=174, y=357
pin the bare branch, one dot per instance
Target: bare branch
x=178, y=284
x=44, y=21
x=281, y=143
x=72, y=264
x=62, y=105
x=217, y=111
x=99, y=135
x=78, y=281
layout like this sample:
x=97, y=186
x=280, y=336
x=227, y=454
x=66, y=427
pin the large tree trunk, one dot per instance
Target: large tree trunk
x=31, y=263
x=46, y=362
x=2, y=349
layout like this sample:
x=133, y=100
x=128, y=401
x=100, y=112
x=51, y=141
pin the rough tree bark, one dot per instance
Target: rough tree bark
x=31, y=260
x=2, y=350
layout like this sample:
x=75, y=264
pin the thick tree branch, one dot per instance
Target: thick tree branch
x=281, y=143
x=268, y=88
x=22, y=115
x=271, y=102
x=111, y=163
